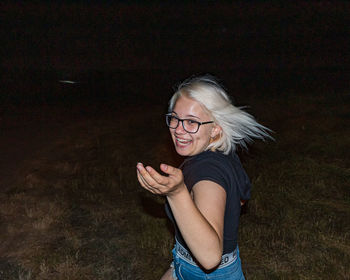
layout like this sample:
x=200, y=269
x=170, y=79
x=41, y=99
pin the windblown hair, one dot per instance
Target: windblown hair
x=238, y=127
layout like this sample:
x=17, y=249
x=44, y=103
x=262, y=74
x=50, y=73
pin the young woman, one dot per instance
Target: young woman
x=204, y=195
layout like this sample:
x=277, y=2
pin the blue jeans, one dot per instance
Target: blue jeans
x=185, y=270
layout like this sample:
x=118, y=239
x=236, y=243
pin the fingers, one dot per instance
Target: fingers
x=145, y=185
x=144, y=178
x=175, y=174
x=170, y=170
x=147, y=180
x=166, y=168
x=152, y=176
x=140, y=179
x=156, y=183
x=160, y=179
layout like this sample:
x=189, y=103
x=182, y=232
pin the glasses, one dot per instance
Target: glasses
x=190, y=126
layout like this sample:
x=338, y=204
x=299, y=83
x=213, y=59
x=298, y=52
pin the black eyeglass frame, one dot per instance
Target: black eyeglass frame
x=182, y=121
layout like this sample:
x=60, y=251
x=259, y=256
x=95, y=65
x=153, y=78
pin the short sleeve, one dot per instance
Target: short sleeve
x=209, y=168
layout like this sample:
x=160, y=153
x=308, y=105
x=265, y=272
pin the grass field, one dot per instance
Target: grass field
x=77, y=212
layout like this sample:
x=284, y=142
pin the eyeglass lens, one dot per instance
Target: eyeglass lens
x=188, y=125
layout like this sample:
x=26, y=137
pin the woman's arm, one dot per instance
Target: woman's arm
x=201, y=219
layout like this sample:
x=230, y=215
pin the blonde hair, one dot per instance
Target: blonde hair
x=238, y=127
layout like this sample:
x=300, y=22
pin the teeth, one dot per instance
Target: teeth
x=182, y=141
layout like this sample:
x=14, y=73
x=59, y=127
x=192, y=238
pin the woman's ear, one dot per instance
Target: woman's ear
x=216, y=131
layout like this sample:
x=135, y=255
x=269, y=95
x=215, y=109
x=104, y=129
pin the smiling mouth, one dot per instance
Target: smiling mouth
x=182, y=142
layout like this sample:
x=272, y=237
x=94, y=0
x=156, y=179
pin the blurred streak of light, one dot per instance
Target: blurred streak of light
x=68, y=82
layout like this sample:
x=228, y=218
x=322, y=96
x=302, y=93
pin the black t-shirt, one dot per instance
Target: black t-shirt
x=227, y=171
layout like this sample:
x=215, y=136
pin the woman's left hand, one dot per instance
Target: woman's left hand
x=156, y=183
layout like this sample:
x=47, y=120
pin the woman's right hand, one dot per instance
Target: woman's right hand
x=159, y=184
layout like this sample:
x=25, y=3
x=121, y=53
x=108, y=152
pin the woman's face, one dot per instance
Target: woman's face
x=190, y=144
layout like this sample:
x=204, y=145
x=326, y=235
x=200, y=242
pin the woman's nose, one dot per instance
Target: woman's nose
x=180, y=128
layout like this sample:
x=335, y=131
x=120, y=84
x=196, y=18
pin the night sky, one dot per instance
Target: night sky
x=135, y=49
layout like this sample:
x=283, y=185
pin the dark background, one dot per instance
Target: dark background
x=135, y=52
x=68, y=151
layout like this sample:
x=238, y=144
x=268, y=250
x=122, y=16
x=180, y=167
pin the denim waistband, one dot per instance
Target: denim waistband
x=182, y=253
